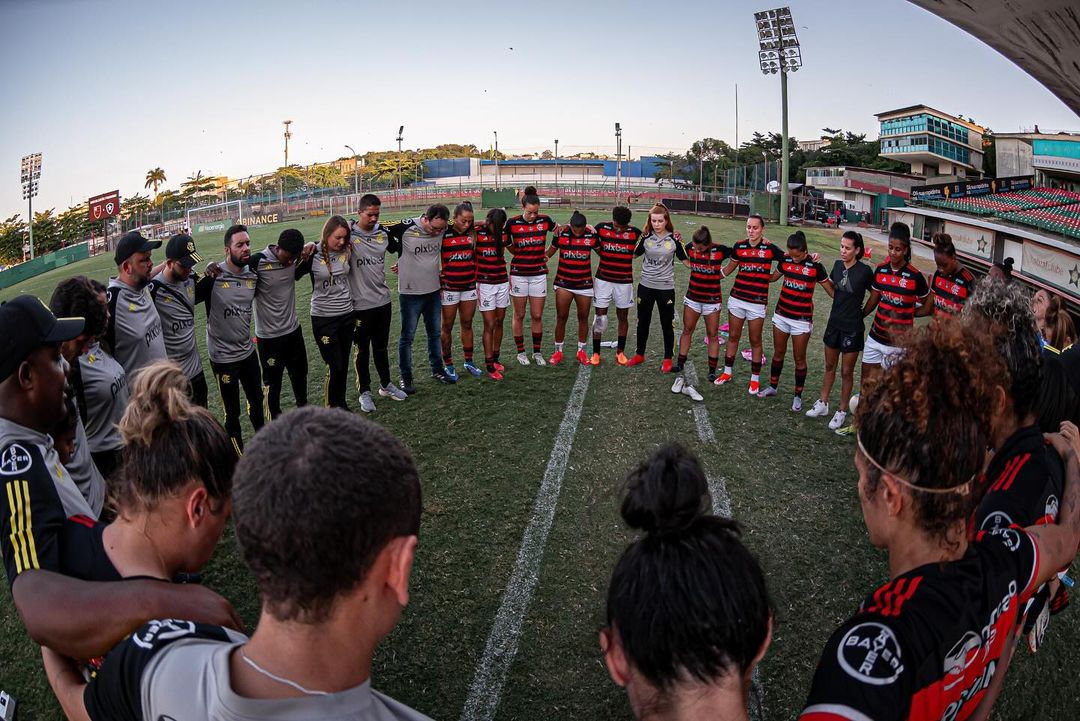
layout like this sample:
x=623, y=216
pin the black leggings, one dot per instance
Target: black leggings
x=334, y=337
x=200, y=393
x=372, y=336
x=277, y=355
x=665, y=301
x=230, y=376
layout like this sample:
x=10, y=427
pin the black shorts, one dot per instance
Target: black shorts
x=843, y=341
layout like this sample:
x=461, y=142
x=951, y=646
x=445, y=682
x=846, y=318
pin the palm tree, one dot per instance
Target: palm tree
x=155, y=178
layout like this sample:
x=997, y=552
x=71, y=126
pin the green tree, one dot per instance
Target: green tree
x=154, y=179
x=74, y=224
x=13, y=235
x=46, y=232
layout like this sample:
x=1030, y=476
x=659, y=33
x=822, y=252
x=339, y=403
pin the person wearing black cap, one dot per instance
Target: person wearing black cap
x=280, y=340
x=173, y=292
x=134, y=330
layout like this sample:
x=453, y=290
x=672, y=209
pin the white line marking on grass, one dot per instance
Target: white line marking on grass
x=721, y=503
x=490, y=678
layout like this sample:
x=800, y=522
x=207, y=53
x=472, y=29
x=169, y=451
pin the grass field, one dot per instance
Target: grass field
x=482, y=448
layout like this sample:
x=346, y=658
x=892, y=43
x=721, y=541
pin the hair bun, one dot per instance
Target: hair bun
x=530, y=190
x=667, y=493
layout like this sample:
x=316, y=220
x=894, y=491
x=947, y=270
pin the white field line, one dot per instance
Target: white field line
x=502, y=644
x=721, y=503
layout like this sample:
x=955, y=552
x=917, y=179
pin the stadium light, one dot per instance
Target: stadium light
x=779, y=52
x=281, y=181
x=356, y=169
x=496, y=158
x=30, y=168
x=400, y=137
x=618, y=159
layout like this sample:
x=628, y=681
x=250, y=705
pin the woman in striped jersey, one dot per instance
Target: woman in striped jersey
x=704, y=297
x=573, y=282
x=793, y=317
x=458, y=280
x=660, y=247
x=492, y=286
x=332, y=318
x=528, y=272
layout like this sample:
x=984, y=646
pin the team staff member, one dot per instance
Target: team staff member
x=951, y=283
x=492, y=286
x=228, y=290
x=419, y=244
x=134, y=335
x=925, y=644
x=173, y=292
x=458, y=283
x=528, y=272
x=753, y=257
x=370, y=242
x=614, y=279
x=793, y=317
x=656, y=287
x=332, y=318
x=280, y=340
x=897, y=288
x=573, y=282
x=843, y=339
x=704, y=298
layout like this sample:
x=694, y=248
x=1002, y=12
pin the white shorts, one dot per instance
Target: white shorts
x=606, y=291
x=453, y=297
x=877, y=353
x=792, y=327
x=493, y=296
x=528, y=286
x=577, y=291
x=702, y=308
x=744, y=310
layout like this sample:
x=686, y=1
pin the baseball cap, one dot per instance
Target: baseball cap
x=182, y=247
x=133, y=242
x=27, y=324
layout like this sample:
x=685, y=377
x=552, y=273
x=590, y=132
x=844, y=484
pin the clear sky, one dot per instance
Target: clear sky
x=107, y=90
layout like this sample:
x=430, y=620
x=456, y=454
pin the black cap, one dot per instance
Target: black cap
x=26, y=324
x=181, y=247
x=291, y=240
x=133, y=242
x=577, y=220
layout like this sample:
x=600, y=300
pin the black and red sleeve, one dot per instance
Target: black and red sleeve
x=31, y=512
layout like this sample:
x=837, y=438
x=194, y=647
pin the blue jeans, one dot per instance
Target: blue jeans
x=412, y=307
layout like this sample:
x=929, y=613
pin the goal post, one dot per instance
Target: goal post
x=215, y=218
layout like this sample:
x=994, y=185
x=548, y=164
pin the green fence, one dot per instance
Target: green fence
x=767, y=205
x=498, y=198
x=43, y=264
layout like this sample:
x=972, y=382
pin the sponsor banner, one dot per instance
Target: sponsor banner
x=264, y=219
x=213, y=226
x=1053, y=266
x=970, y=239
x=977, y=187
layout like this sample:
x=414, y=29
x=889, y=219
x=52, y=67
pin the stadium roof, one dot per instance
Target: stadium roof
x=1041, y=36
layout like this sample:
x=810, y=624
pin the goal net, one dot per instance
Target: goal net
x=215, y=218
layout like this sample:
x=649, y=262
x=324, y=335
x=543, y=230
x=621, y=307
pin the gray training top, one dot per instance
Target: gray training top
x=367, y=281
x=275, y=295
x=330, y=294
x=105, y=392
x=658, y=267
x=418, y=269
x=134, y=330
x=229, y=301
x=175, y=303
x=84, y=472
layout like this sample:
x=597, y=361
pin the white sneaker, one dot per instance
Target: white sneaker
x=367, y=404
x=523, y=359
x=392, y=392
x=538, y=359
x=837, y=420
x=796, y=404
x=766, y=392
x=820, y=409
x=853, y=404
x=692, y=393
x=677, y=386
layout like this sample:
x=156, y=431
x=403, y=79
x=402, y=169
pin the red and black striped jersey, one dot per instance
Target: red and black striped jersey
x=951, y=291
x=529, y=240
x=616, y=253
x=575, y=259
x=491, y=257
x=899, y=289
x=797, y=289
x=705, y=267
x=925, y=645
x=755, y=270
x=1026, y=481
x=458, y=261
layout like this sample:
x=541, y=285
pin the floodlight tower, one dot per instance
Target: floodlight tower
x=618, y=159
x=400, y=137
x=779, y=52
x=31, y=172
x=288, y=134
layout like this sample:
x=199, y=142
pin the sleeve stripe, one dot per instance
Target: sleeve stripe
x=22, y=534
x=831, y=711
x=14, y=528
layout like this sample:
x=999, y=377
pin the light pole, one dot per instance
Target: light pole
x=496, y=158
x=618, y=159
x=557, y=167
x=779, y=53
x=281, y=180
x=400, y=137
x=31, y=172
x=356, y=169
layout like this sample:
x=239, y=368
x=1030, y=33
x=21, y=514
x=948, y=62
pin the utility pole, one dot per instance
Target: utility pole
x=281, y=180
x=356, y=170
x=496, y=159
x=618, y=159
x=400, y=137
x=558, y=168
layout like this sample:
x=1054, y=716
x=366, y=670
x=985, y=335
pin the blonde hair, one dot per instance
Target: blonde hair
x=658, y=209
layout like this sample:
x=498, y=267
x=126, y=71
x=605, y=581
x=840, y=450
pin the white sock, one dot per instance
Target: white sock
x=755, y=377
x=558, y=347
x=727, y=369
x=580, y=346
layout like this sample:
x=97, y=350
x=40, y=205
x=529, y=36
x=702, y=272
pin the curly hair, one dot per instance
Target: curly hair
x=76, y=297
x=928, y=421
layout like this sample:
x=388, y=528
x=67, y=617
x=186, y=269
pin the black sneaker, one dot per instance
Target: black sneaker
x=443, y=377
x=712, y=377
x=407, y=386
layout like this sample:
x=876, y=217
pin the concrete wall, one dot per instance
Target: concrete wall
x=1014, y=157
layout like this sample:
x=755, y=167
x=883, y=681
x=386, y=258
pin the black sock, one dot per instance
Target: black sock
x=537, y=339
x=596, y=345
x=774, y=373
x=490, y=363
x=712, y=364
x=519, y=341
x=622, y=344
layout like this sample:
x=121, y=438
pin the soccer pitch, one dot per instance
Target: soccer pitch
x=483, y=449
